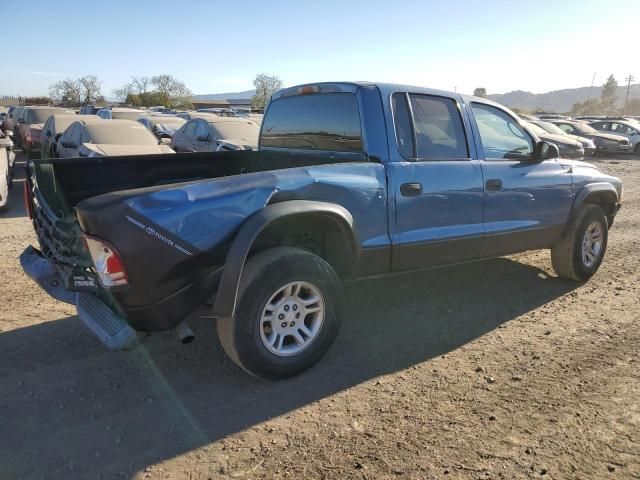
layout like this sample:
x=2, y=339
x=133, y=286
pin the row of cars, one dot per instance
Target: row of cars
x=576, y=138
x=59, y=132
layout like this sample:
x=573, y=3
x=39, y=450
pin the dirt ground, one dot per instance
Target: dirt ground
x=490, y=370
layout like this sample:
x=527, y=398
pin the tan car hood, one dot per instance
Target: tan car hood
x=109, y=150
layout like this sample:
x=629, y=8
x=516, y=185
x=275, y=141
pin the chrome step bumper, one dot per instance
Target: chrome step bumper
x=111, y=329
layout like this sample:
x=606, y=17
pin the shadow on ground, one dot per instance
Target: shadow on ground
x=70, y=409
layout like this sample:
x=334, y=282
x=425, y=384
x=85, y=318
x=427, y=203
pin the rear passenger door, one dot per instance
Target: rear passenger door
x=437, y=185
x=202, y=137
x=526, y=202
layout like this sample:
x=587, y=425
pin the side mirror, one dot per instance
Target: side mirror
x=68, y=144
x=545, y=151
x=203, y=138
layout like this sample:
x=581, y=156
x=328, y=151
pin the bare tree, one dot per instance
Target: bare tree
x=266, y=85
x=67, y=91
x=140, y=85
x=172, y=92
x=90, y=87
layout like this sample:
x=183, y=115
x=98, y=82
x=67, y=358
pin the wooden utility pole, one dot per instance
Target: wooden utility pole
x=629, y=79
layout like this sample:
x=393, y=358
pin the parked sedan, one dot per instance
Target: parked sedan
x=120, y=113
x=53, y=128
x=215, y=134
x=629, y=129
x=588, y=144
x=567, y=147
x=30, y=126
x=162, y=126
x=99, y=138
x=604, y=142
x=11, y=123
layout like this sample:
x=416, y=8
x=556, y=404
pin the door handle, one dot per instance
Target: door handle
x=411, y=189
x=494, y=184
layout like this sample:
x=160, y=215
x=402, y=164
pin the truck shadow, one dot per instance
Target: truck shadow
x=68, y=408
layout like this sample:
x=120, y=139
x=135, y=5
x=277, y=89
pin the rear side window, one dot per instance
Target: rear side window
x=434, y=132
x=323, y=121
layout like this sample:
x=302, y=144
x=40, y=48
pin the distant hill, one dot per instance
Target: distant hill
x=226, y=96
x=558, y=100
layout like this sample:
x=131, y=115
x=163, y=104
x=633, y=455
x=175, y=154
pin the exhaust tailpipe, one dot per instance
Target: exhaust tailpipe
x=184, y=332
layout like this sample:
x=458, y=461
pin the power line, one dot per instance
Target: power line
x=629, y=79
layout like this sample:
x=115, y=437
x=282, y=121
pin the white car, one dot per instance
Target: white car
x=99, y=138
x=625, y=128
x=7, y=159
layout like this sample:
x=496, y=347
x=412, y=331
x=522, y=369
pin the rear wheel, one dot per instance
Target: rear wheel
x=580, y=252
x=287, y=315
x=637, y=149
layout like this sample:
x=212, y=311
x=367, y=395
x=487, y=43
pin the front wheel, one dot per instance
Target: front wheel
x=637, y=149
x=578, y=255
x=287, y=315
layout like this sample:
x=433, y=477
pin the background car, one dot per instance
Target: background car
x=30, y=126
x=162, y=126
x=216, y=133
x=89, y=110
x=11, y=123
x=588, y=145
x=55, y=125
x=567, y=147
x=190, y=114
x=120, y=113
x=7, y=159
x=625, y=128
x=96, y=137
x=604, y=142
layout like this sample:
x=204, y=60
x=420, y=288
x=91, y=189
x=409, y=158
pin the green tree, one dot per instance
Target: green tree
x=608, y=98
x=588, y=107
x=265, y=85
x=480, y=92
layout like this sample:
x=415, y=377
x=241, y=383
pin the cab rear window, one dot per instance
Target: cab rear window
x=322, y=121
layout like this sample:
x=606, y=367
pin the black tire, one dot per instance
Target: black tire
x=264, y=274
x=566, y=255
x=637, y=149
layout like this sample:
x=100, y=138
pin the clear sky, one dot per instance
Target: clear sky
x=216, y=46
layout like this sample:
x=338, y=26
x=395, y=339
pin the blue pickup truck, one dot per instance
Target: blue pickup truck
x=350, y=180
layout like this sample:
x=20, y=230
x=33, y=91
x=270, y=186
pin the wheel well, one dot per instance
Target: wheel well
x=326, y=236
x=605, y=200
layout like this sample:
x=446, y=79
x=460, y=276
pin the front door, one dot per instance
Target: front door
x=526, y=203
x=438, y=185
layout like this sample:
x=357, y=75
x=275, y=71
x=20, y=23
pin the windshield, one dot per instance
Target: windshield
x=536, y=129
x=40, y=115
x=550, y=128
x=583, y=127
x=121, y=135
x=234, y=130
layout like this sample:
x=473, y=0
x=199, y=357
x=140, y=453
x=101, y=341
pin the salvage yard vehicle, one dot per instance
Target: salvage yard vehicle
x=97, y=138
x=568, y=147
x=588, y=145
x=120, y=113
x=350, y=180
x=11, y=123
x=216, y=133
x=53, y=128
x=7, y=160
x=162, y=126
x=605, y=142
x=629, y=129
x=30, y=128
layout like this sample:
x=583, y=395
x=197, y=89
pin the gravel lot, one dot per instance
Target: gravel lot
x=489, y=370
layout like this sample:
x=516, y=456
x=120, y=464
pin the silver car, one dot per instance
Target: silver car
x=215, y=134
x=625, y=128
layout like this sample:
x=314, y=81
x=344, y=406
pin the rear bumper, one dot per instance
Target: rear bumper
x=158, y=316
x=111, y=329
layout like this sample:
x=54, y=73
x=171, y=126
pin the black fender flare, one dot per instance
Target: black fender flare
x=226, y=297
x=598, y=187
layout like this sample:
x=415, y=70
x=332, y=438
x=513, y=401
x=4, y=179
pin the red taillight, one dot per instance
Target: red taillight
x=106, y=259
x=309, y=89
x=27, y=200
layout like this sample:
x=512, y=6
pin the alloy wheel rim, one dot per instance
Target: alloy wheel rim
x=292, y=318
x=592, y=244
